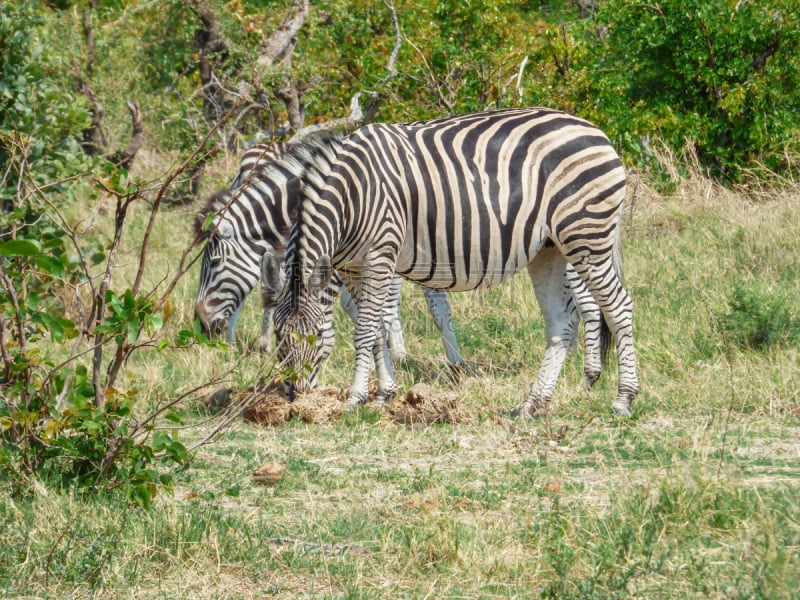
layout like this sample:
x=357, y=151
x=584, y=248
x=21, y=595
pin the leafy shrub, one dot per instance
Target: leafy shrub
x=757, y=319
x=32, y=100
x=715, y=74
x=64, y=414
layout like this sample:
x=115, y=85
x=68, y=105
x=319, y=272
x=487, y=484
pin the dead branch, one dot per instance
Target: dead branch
x=208, y=40
x=292, y=97
x=398, y=39
x=93, y=140
x=279, y=45
x=350, y=122
x=124, y=158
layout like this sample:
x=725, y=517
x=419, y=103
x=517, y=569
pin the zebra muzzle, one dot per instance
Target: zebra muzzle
x=212, y=327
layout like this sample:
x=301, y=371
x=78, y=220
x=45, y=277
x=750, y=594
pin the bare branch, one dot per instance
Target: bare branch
x=281, y=43
x=295, y=109
x=447, y=104
x=398, y=39
x=352, y=121
x=93, y=140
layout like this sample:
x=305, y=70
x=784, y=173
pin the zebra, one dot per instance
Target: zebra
x=254, y=161
x=460, y=203
x=254, y=215
x=258, y=157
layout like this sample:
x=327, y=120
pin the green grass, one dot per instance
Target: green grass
x=695, y=496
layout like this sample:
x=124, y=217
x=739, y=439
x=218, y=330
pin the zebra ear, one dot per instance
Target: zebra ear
x=320, y=275
x=272, y=276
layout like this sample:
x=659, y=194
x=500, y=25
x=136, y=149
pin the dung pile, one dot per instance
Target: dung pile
x=270, y=472
x=422, y=406
x=324, y=404
x=268, y=407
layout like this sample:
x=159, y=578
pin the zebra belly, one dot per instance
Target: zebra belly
x=447, y=267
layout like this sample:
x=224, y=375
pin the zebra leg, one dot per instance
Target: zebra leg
x=265, y=341
x=348, y=304
x=327, y=335
x=595, y=331
x=269, y=271
x=391, y=318
x=603, y=281
x=369, y=340
x=553, y=292
x=439, y=306
x=381, y=354
x=328, y=299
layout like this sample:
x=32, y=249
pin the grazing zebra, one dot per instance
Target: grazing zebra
x=257, y=158
x=460, y=203
x=255, y=215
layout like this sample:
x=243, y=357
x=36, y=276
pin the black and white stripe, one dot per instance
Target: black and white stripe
x=462, y=203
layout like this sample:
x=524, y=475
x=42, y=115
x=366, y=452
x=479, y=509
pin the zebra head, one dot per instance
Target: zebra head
x=302, y=320
x=229, y=269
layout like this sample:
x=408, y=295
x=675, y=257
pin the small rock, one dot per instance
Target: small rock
x=268, y=473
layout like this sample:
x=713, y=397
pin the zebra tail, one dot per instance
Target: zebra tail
x=605, y=330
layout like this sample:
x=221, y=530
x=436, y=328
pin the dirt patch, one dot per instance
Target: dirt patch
x=421, y=407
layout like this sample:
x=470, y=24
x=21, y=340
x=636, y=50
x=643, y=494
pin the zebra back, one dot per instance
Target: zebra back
x=257, y=158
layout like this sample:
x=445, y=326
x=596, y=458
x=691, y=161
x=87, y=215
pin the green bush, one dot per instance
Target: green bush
x=718, y=75
x=757, y=319
x=722, y=77
x=39, y=115
x=64, y=417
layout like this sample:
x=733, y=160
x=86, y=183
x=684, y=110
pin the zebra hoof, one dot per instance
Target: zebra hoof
x=529, y=410
x=398, y=356
x=622, y=407
x=352, y=405
x=354, y=402
x=589, y=379
x=384, y=397
x=456, y=372
x=264, y=345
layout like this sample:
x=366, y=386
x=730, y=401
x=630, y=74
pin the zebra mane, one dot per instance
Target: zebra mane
x=316, y=154
x=308, y=160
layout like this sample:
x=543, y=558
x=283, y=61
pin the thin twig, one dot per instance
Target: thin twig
x=398, y=39
x=159, y=197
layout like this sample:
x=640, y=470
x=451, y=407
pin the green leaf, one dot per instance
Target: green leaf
x=19, y=248
x=50, y=265
x=59, y=327
x=173, y=416
x=134, y=329
x=154, y=322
